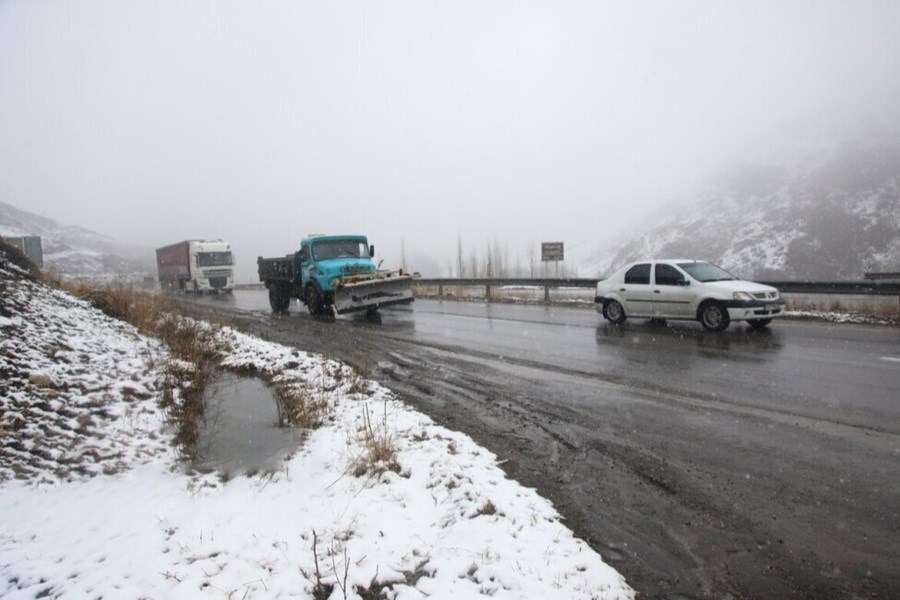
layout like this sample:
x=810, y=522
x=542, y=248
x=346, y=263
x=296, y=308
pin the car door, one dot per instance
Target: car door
x=672, y=293
x=637, y=292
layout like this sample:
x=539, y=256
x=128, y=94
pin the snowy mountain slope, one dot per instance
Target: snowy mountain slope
x=75, y=251
x=831, y=212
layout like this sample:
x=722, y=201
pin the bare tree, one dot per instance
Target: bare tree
x=460, y=261
x=532, y=258
x=473, y=264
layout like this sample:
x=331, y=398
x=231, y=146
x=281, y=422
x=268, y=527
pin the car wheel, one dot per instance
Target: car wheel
x=614, y=312
x=758, y=323
x=315, y=299
x=713, y=316
x=279, y=300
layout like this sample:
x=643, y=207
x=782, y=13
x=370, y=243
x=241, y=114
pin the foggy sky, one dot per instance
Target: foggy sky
x=259, y=122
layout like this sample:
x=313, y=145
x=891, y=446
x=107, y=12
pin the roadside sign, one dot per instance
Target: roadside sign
x=551, y=251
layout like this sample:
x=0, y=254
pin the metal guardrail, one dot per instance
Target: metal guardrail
x=501, y=281
x=489, y=282
x=863, y=288
x=882, y=276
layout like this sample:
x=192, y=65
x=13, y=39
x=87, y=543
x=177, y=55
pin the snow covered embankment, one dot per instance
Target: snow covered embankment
x=94, y=503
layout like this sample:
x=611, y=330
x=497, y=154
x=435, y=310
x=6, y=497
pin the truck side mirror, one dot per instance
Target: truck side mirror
x=304, y=254
x=372, y=250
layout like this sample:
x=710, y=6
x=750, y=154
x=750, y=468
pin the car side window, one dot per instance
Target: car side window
x=668, y=275
x=638, y=274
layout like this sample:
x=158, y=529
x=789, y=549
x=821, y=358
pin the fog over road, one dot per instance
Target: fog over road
x=698, y=464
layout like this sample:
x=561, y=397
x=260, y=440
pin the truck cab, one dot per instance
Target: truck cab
x=212, y=266
x=327, y=259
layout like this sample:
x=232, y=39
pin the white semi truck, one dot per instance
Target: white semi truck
x=196, y=266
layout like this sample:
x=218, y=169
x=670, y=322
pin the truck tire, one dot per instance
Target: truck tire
x=315, y=299
x=279, y=299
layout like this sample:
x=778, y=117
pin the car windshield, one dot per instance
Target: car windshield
x=705, y=272
x=328, y=249
x=214, y=259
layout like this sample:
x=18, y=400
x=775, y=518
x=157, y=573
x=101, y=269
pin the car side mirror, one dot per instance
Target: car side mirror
x=684, y=282
x=372, y=250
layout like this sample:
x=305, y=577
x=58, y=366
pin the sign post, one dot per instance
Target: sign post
x=552, y=252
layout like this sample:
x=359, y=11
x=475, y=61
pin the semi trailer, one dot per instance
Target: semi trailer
x=196, y=266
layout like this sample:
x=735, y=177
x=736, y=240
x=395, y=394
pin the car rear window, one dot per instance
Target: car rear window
x=638, y=274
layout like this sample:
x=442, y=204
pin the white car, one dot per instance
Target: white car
x=686, y=289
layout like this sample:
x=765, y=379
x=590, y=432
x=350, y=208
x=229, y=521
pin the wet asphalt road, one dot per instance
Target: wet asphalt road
x=743, y=464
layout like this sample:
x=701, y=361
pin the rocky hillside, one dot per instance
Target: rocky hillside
x=75, y=251
x=817, y=213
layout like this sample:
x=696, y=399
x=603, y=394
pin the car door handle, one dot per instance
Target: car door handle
x=621, y=289
x=656, y=291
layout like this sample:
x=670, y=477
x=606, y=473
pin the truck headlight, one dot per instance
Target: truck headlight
x=743, y=296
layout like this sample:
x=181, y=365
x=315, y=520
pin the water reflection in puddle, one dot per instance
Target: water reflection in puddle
x=240, y=432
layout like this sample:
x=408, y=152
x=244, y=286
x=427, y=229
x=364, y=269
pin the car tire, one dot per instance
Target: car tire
x=315, y=299
x=614, y=312
x=758, y=323
x=279, y=299
x=713, y=316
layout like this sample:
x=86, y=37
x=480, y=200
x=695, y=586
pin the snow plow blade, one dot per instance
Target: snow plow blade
x=371, y=292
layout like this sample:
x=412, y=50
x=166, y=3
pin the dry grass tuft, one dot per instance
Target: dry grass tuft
x=487, y=509
x=379, y=453
x=299, y=408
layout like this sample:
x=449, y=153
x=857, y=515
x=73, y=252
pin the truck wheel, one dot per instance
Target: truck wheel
x=315, y=299
x=279, y=299
x=713, y=316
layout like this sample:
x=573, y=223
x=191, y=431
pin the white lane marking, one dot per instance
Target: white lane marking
x=891, y=359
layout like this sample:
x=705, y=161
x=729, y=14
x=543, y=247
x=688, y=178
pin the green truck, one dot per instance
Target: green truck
x=333, y=274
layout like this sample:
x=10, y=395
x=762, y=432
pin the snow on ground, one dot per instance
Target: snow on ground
x=838, y=317
x=103, y=509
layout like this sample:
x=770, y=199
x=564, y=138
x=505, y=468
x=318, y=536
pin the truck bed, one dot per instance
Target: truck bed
x=275, y=269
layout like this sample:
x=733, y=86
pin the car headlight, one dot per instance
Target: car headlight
x=742, y=296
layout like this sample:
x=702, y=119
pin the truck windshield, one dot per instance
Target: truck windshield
x=702, y=271
x=214, y=259
x=328, y=249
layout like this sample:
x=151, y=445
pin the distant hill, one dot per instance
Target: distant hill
x=74, y=251
x=812, y=213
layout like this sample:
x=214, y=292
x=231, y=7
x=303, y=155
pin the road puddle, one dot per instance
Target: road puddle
x=240, y=433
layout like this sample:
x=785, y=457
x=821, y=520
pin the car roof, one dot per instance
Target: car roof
x=664, y=260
